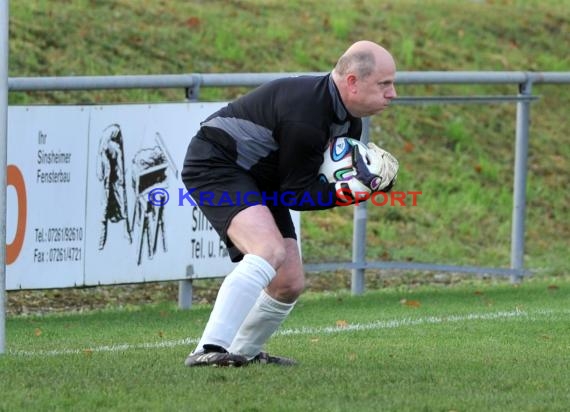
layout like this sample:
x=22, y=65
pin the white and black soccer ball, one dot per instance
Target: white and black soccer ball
x=338, y=163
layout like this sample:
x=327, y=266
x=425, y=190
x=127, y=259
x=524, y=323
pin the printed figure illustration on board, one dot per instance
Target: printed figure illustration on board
x=148, y=170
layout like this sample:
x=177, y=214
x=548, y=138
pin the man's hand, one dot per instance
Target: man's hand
x=387, y=167
x=377, y=170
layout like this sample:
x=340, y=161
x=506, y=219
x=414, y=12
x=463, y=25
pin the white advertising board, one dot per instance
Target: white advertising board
x=45, y=221
x=79, y=212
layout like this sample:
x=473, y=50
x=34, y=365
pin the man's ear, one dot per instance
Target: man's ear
x=351, y=81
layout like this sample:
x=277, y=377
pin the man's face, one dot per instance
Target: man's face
x=373, y=94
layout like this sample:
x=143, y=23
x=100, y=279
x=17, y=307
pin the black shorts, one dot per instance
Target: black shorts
x=221, y=189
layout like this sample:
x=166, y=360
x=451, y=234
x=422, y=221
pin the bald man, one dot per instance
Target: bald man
x=265, y=143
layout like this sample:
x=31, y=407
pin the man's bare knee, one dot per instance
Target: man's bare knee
x=289, y=282
x=291, y=292
x=274, y=252
x=286, y=288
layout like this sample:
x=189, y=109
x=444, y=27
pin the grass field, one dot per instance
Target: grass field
x=479, y=346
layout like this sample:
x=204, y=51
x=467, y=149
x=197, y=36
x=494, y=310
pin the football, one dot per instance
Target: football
x=337, y=163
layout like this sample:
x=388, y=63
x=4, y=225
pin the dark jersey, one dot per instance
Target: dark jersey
x=279, y=132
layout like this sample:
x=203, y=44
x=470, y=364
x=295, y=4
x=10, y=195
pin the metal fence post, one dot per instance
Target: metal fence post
x=359, y=231
x=519, y=189
x=185, y=290
x=4, y=12
x=193, y=92
x=185, y=286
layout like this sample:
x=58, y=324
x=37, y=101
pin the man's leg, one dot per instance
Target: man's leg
x=271, y=308
x=254, y=232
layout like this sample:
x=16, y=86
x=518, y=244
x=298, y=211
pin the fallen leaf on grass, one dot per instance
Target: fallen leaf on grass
x=88, y=352
x=341, y=323
x=408, y=147
x=193, y=22
x=38, y=332
x=411, y=303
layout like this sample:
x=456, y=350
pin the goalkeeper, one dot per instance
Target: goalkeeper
x=272, y=140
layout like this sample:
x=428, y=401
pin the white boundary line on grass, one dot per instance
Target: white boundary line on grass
x=378, y=325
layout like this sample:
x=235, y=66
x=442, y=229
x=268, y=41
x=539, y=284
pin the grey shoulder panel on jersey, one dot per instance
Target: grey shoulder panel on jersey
x=253, y=141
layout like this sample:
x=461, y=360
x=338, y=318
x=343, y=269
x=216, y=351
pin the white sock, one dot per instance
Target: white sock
x=262, y=321
x=235, y=299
